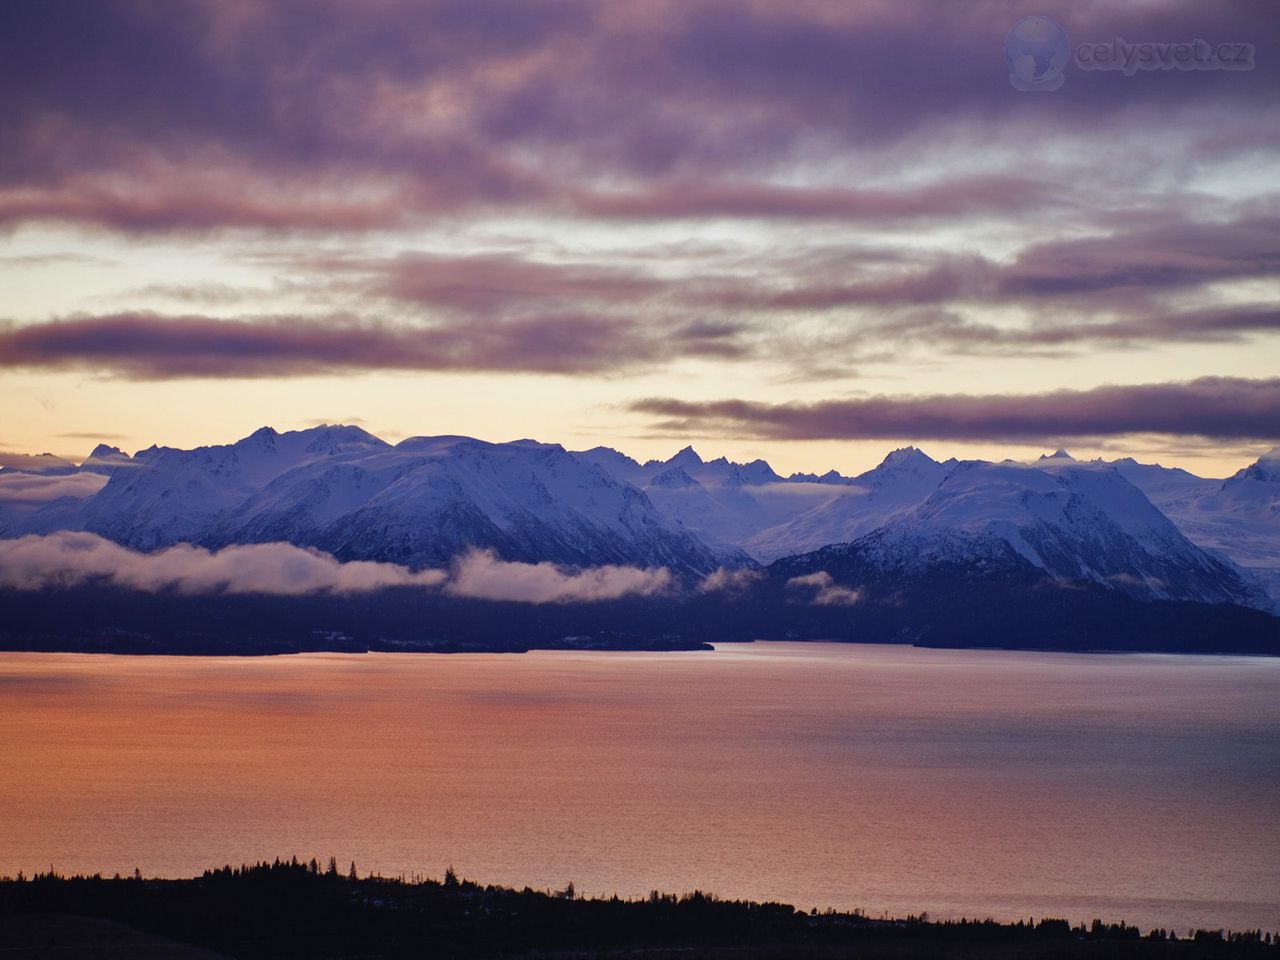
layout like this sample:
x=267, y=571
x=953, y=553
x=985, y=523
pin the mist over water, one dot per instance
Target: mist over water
x=1142, y=788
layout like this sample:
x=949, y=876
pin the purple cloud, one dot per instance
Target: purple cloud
x=497, y=283
x=196, y=115
x=149, y=346
x=1219, y=407
x=947, y=198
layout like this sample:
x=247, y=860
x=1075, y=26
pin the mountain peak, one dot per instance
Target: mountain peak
x=688, y=457
x=1266, y=468
x=104, y=459
x=610, y=453
x=1058, y=454
x=906, y=456
x=331, y=437
x=752, y=474
x=263, y=435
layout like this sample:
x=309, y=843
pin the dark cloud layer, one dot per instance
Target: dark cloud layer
x=150, y=346
x=979, y=220
x=122, y=113
x=1217, y=407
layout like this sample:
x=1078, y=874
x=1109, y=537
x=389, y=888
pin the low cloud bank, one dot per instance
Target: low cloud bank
x=480, y=575
x=828, y=593
x=41, y=488
x=729, y=581
x=70, y=559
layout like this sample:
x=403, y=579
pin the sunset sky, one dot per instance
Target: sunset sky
x=803, y=230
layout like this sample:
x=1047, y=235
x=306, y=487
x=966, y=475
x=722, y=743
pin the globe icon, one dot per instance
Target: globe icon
x=1037, y=51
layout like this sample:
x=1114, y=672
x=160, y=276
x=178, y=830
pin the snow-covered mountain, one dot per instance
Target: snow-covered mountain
x=105, y=460
x=1076, y=521
x=1143, y=530
x=419, y=503
x=429, y=499
x=1069, y=521
x=166, y=496
x=724, y=503
x=1237, y=518
x=855, y=507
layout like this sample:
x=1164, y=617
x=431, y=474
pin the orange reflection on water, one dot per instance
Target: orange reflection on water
x=890, y=778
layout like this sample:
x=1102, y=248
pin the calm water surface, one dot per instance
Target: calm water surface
x=893, y=779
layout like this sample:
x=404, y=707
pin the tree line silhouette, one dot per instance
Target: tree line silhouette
x=291, y=908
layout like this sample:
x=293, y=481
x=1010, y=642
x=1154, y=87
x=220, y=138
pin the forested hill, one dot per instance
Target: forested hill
x=293, y=909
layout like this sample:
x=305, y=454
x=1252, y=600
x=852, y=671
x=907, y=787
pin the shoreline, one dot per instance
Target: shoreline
x=264, y=908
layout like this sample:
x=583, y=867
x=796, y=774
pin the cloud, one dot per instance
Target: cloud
x=494, y=283
x=1170, y=256
x=828, y=592
x=1114, y=213
x=944, y=328
x=38, y=488
x=69, y=559
x=947, y=198
x=723, y=580
x=659, y=109
x=1177, y=254
x=99, y=436
x=55, y=260
x=157, y=347
x=35, y=463
x=1220, y=407
x=480, y=575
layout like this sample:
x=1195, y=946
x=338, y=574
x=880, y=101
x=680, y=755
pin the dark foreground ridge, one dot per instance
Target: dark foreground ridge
x=956, y=607
x=292, y=909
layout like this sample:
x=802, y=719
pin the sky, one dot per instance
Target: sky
x=804, y=230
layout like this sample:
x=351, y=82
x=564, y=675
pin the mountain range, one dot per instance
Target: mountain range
x=1141, y=531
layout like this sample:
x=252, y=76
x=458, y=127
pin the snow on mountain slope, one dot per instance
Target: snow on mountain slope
x=528, y=502
x=867, y=502
x=617, y=465
x=1237, y=518
x=719, y=472
x=170, y=496
x=1240, y=519
x=422, y=502
x=1164, y=486
x=1071, y=519
x=722, y=502
x=428, y=499
x=105, y=460
x=1077, y=521
x=48, y=491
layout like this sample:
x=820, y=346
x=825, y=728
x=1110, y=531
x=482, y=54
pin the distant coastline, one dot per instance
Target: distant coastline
x=946, y=612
